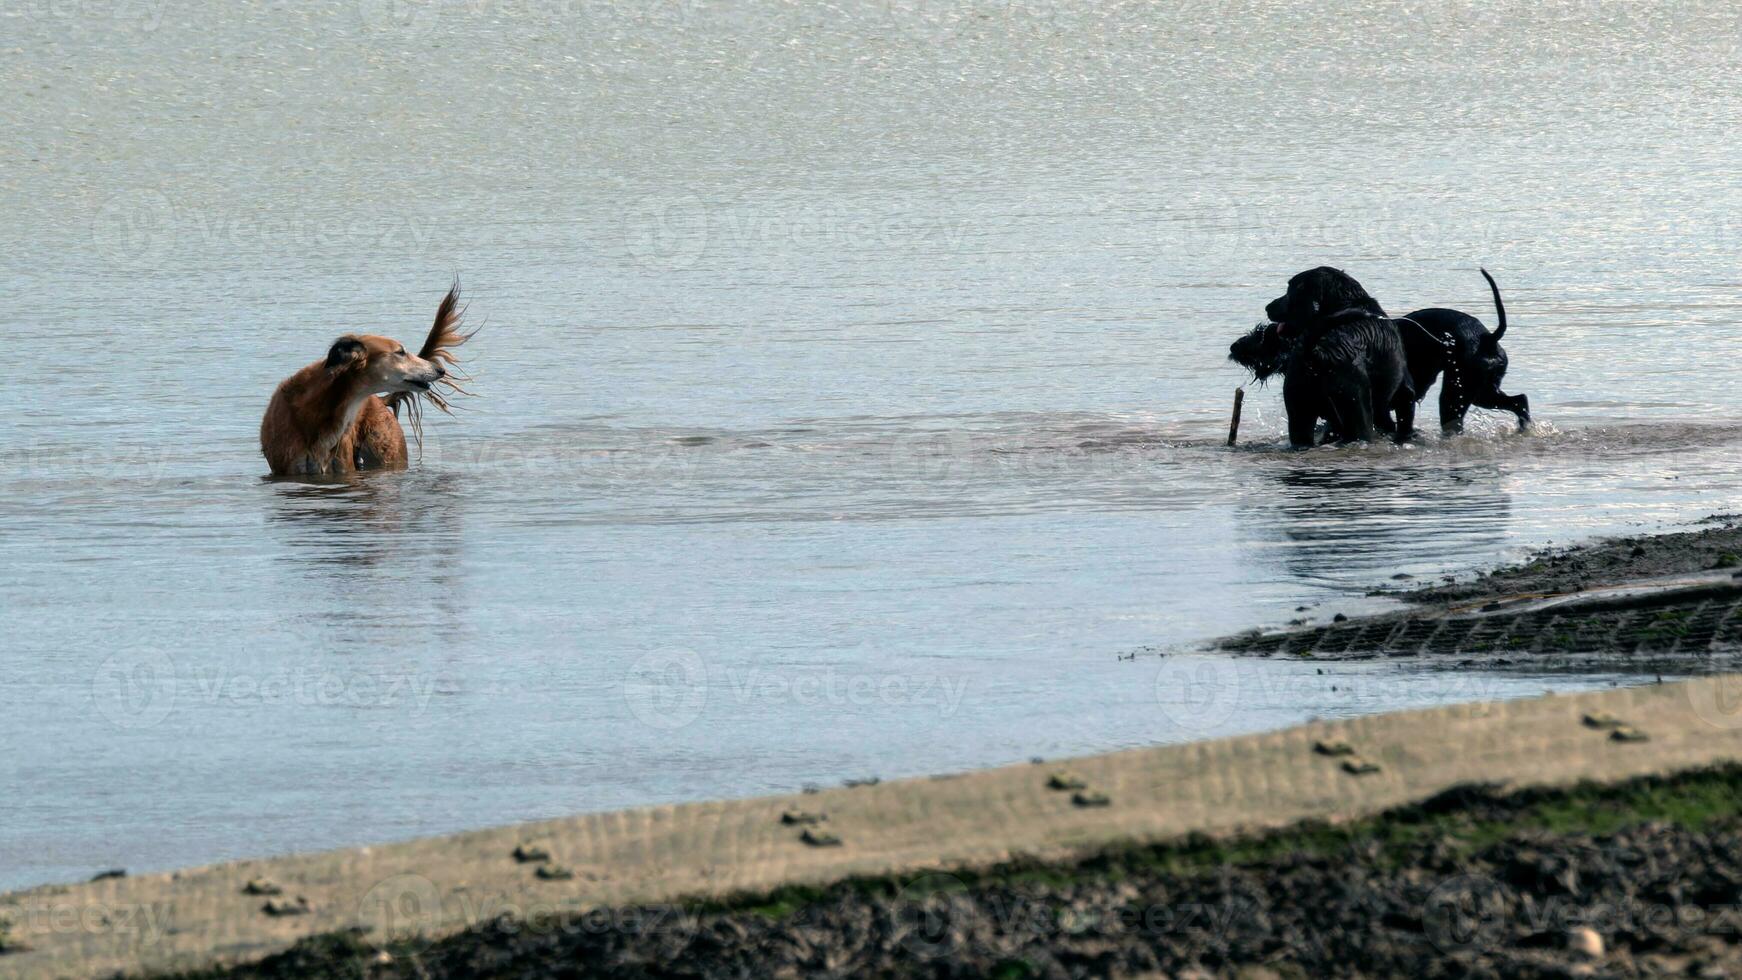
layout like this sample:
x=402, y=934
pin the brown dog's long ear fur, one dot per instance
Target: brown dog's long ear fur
x=438, y=347
x=445, y=334
x=347, y=350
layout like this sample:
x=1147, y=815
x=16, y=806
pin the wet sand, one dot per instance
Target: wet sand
x=1633, y=879
x=1671, y=603
x=1213, y=827
x=724, y=851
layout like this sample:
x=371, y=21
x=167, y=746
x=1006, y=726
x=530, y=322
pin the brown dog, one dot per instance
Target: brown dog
x=330, y=418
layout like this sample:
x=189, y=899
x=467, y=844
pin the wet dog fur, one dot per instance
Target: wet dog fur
x=341, y=413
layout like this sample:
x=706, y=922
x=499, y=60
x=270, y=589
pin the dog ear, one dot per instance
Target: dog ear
x=345, y=351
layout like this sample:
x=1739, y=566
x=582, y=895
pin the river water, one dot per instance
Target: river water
x=851, y=383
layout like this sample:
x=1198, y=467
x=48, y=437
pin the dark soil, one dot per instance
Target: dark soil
x=1471, y=883
x=1688, y=630
x=1606, y=562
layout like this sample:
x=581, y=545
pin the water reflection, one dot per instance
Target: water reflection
x=1342, y=522
x=379, y=549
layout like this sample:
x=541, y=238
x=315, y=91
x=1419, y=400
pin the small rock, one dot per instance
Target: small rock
x=1339, y=618
x=384, y=958
x=1066, y=780
x=110, y=874
x=1585, y=942
x=1627, y=733
x=1357, y=766
x=820, y=838
x=1603, y=721
x=1091, y=799
x=261, y=886
x=531, y=854
x=1401, y=577
x=801, y=818
x=867, y=781
x=280, y=907
x=1333, y=748
x=553, y=872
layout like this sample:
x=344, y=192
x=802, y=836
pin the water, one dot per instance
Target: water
x=852, y=384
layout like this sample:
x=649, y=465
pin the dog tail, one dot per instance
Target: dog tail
x=438, y=347
x=1499, y=307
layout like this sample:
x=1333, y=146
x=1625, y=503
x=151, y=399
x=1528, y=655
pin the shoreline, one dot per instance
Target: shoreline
x=683, y=857
x=703, y=863
x=1669, y=603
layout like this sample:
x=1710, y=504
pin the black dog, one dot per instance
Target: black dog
x=1472, y=359
x=1267, y=354
x=1347, y=362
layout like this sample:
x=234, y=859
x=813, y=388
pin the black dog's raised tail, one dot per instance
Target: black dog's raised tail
x=1499, y=307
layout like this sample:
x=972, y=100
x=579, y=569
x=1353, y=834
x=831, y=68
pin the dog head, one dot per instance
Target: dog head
x=1318, y=293
x=381, y=365
x=1263, y=351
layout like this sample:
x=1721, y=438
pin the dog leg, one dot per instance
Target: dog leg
x=1403, y=403
x=1453, y=406
x=1500, y=401
x=1302, y=401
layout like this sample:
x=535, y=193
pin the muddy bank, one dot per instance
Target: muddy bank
x=1248, y=793
x=1639, y=878
x=1670, y=603
x=1565, y=570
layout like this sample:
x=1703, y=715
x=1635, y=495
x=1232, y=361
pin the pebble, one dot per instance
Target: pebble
x=1585, y=942
x=278, y=908
x=531, y=853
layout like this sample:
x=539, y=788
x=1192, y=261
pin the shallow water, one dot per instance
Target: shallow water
x=852, y=384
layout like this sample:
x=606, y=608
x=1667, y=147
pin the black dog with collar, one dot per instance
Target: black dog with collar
x=1472, y=359
x=1347, y=362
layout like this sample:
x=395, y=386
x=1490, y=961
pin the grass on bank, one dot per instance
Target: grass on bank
x=1470, y=818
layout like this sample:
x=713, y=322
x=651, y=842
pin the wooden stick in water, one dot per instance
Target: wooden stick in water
x=1234, y=423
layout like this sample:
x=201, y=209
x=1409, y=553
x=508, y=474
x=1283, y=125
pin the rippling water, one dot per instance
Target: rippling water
x=852, y=383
